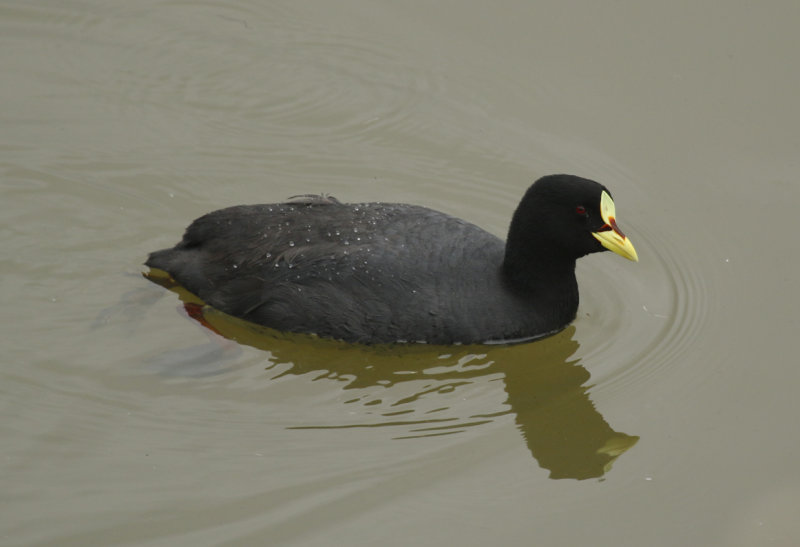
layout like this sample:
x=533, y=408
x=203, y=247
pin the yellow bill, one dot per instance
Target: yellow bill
x=610, y=236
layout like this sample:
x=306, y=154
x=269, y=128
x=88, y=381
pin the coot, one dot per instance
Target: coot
x=387, y=272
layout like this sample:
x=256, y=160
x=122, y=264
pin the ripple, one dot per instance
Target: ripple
x=269, y=77
x=633, y=324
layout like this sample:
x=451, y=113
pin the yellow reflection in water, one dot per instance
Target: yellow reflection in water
x=546, y=391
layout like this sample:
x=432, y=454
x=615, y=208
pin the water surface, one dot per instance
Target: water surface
x=664, y=416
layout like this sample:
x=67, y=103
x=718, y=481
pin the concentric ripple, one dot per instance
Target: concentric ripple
x=636, y=320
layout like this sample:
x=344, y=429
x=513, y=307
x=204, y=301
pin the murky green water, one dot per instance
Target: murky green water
x=665, y=416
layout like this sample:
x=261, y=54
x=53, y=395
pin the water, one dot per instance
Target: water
x=664, y=416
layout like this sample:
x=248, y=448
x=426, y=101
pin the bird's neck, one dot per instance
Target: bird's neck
x=540, y=277
x=548, y=284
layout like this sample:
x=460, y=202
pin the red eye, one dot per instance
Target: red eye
x=581, y=210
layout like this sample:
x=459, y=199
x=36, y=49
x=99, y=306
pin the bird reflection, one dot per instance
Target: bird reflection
x=545, y=391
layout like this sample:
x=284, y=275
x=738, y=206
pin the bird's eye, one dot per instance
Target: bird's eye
x=580, y=210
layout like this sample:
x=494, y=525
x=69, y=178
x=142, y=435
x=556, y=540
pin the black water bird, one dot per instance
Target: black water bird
x=388, y=272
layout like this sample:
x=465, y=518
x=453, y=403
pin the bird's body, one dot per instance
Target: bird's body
x=384, y=272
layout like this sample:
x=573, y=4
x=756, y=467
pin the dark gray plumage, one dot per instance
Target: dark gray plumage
x=386, y=272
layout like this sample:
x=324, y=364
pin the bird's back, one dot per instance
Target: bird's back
x=358, y=272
